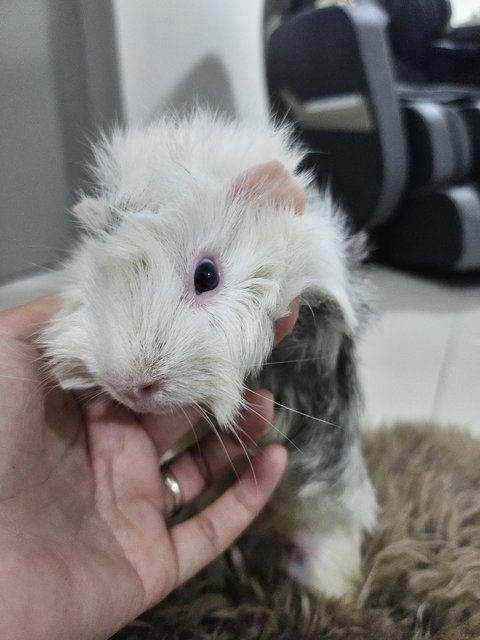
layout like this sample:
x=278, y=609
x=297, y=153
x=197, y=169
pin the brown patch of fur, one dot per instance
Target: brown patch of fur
x=421, y=566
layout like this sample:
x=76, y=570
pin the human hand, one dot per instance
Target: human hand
x=84, y=542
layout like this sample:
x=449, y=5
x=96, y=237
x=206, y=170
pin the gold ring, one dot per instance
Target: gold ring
x=173, y=487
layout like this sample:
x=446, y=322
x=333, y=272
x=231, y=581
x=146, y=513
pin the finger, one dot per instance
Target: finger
x=166, y=430
x=201, y=539
x=285, y=325
x=103, y=407
x=26, y=320
x=220, y=452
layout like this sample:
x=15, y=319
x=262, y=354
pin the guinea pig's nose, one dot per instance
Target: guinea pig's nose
x=147, y=389
x=139, y=390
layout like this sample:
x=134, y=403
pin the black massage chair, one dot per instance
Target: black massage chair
x=387, y=97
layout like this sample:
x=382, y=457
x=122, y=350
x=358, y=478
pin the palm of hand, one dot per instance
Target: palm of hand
x=83, y=506
x=84, y=544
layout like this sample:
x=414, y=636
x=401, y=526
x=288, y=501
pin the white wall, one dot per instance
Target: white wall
x=171, y=50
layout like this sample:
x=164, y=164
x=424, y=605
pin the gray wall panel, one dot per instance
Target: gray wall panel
x=58, y=86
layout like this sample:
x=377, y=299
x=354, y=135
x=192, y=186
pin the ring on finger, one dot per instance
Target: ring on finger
x=174, y=489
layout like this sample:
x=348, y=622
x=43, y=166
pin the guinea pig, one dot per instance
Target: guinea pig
x=198, y=236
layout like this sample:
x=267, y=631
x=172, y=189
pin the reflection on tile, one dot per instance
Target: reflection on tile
x=422, y=358
x=458, y=394
x=402, y=359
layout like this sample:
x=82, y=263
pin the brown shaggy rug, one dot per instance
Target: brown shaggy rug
x=421, y=566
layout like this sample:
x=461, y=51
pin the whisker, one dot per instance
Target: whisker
x=5, y=377
x=248, y=405
x=21, y=245
x=43, y=269
x=205, y=415
x=90, y=397
x=192, y=426
x=301, y=413
x=184, y=168
x=307, y=415
x=232, y=430
x=253, y=443
x=270, y=424
x=269, y=364
x=48, y=384
x=313, y=313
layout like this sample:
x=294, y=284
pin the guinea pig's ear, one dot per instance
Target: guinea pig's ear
x=269, y=182
x=93, y=214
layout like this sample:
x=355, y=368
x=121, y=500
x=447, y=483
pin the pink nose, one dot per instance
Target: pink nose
x=141, y=390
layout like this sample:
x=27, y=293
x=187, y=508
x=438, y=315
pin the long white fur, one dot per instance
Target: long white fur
x=162, y=203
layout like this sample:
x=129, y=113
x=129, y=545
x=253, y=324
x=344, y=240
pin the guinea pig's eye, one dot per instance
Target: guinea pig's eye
x=206, y=276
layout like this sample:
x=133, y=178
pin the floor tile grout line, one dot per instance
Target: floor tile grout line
x=442, y=374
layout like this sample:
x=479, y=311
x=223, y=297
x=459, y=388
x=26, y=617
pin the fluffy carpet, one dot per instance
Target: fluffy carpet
x=421, y=566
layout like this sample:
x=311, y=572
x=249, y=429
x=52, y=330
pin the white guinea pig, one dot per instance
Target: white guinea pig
x=197, y=240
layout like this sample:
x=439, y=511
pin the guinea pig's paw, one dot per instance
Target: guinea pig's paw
x=328, y=564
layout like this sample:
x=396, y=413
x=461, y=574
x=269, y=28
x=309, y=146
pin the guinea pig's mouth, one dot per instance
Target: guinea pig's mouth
x=150, y=401
x=152, y=397
x=143, y=405
x=192, y=413
x=139, y=397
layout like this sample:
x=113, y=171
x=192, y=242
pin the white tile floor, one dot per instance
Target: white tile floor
x=420, y=359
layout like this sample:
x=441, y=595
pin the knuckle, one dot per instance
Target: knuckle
x=248, y=500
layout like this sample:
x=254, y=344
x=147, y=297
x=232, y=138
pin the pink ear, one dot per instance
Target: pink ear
x=272, y=181
x=92, y=213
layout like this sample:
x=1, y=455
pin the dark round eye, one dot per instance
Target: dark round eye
x=206, y=276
